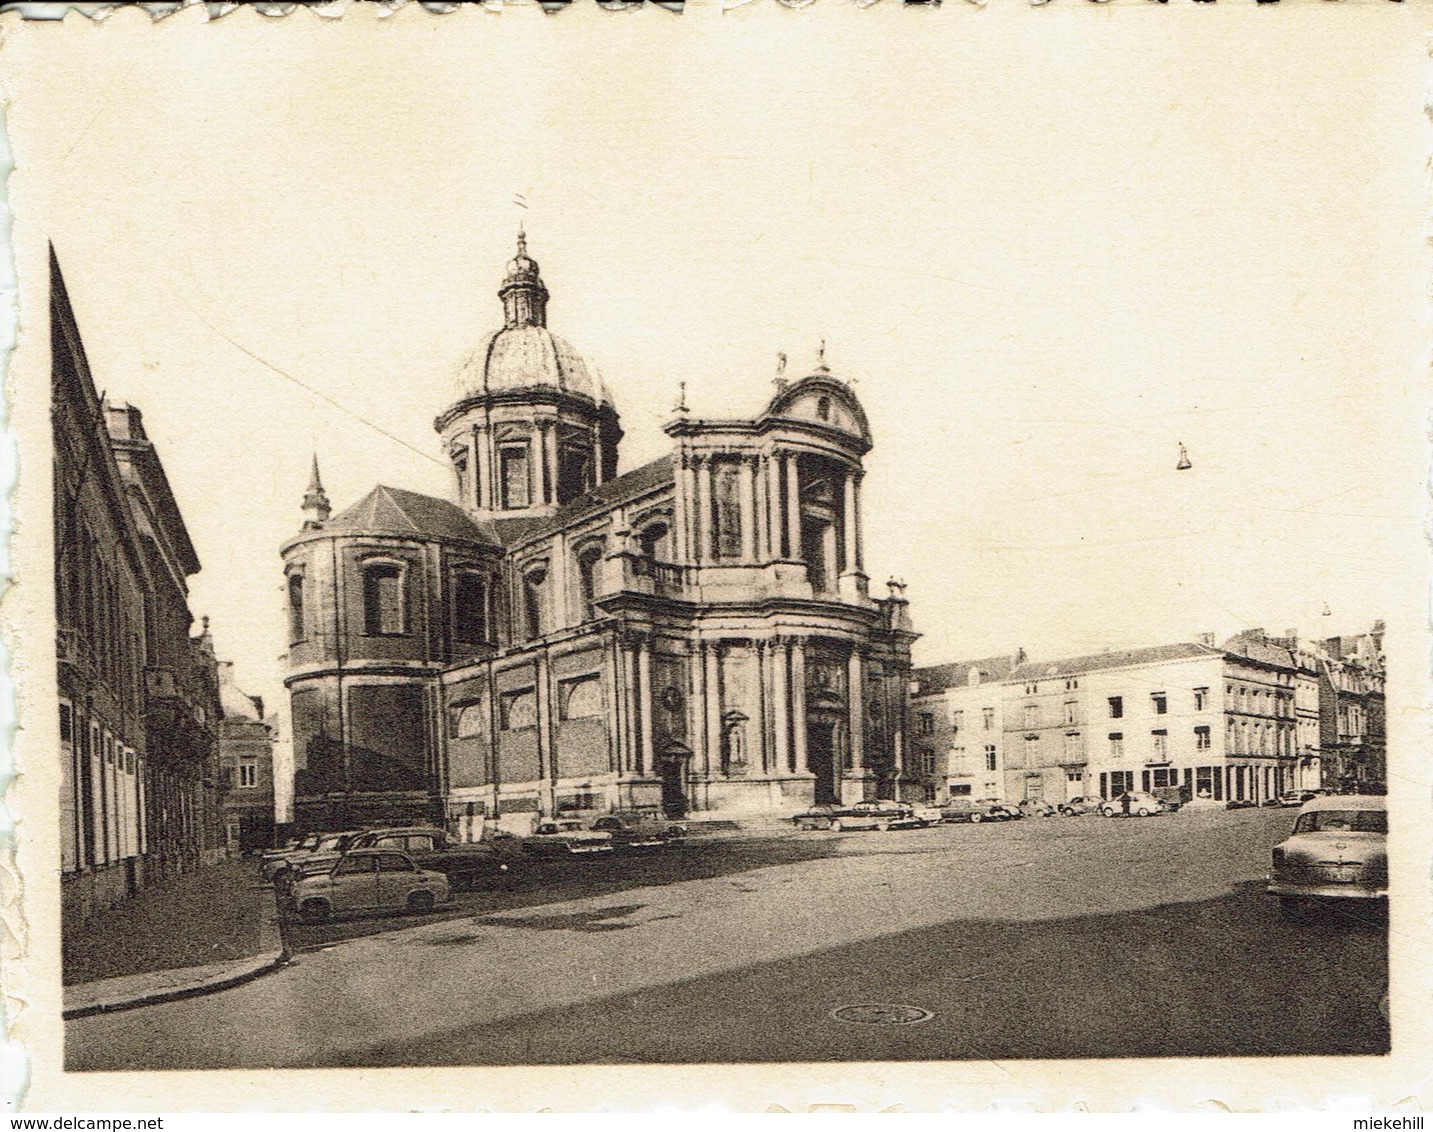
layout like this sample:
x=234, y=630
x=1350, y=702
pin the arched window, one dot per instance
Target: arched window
x=823, y=408
x=589, y=573
x=470, y=606
x=296, y=607
x=383, y=603
x=459, y=456
x=532, y=602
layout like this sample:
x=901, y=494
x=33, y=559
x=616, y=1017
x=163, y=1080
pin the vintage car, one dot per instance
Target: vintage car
x=983, y=809
x=925, y=814
x=638, y=832
x=871, y=814
x=1078, y=807
x=464, y=863
x=1132, y=803
x=566, y=837
x=1338, y=851
x=1037, y=808
x=330, y=845
x=369, y=880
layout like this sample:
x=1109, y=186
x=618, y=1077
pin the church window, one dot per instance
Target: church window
x=519, y=710
x=468, y=721
x=470, y=602
x=460, y=470
x=823, y=408
x=532, y=602
x=580, y=698
x=727, y=510
x=574, y=472
x=589, y=574
x=296, y=607
x=654, y=541
x=517, y=492
x=383, y=600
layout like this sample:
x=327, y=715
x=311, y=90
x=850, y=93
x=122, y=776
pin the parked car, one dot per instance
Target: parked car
x=331, y=845
x=1132, y=803
x=637, y=832
x=870, y=814
x=1337, y=851
x=926, y=814
x=1037, y=808
x=1077, y=807
x=369, y=880
x=1240, y=804
x=566, y=837
x=978, y=810
x=1294, y=798
x=464, y=863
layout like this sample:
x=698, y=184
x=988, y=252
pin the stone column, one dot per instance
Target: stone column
x=747, y=493
x=598, y=463
x=773, y=506
x=762, y=697
x=856, y=705
x=763, y=509
x=705, y=552
x=855, y=517
x=473, y=496
x=644, y=705
x=713, y=704
x=798, y=703
x=848, y=528
x=679, y=508
x=631, y=728
x=538, y=448
x=780, y=657
x=793, y=509
x=698, y=708
x=550, y=441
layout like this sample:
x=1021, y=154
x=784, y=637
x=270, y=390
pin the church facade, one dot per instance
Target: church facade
x=693, y=636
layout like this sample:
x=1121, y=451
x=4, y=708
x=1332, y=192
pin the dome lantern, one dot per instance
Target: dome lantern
x=523, y=295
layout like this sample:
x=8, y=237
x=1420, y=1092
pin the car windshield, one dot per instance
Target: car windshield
x=330, y=843
x=1343, y=821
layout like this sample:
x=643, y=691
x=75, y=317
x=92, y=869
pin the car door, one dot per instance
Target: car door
x=396, y=876
x=354, y=882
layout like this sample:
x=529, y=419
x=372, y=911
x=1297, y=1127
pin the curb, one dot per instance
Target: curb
x=262, y=966
x=273, y=929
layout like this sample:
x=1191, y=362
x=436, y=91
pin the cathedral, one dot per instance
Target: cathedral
x=694, y=636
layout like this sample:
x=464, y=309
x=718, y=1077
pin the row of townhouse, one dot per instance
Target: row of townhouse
x=1245, y=721
x=138, y=695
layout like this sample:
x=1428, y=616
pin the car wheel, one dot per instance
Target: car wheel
x=315, y=911
x=883, y=826
x=977, y=818
x=835, y=825
x=1109, y=813
x=420, y=903
x=1143, y=811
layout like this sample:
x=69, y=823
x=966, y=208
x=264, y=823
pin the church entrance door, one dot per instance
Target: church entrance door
x=674, y=787
x=821, y=758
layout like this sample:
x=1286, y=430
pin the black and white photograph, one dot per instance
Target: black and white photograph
x=759, y=537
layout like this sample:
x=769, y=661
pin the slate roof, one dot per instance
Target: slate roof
x=938, y=677
x=625, y=487
x=1120, y=658
x=408, y=514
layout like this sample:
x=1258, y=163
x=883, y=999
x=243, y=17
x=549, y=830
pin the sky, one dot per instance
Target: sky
x=1046, y=247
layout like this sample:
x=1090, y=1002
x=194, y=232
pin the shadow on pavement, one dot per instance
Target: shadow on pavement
x=1225, y=977
x=531, y=882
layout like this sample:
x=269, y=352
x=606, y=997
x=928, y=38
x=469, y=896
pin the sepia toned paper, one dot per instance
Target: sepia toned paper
x=1050, y=251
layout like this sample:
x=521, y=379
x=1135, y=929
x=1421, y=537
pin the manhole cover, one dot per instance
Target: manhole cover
x=881, y=1014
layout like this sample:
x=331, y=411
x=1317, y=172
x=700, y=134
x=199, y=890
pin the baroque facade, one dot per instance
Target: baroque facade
x=696, y=634
x=139, y=792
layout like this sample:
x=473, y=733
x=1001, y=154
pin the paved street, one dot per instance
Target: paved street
x=1082, y=937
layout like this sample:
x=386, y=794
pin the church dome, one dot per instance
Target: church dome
x=528, y=357
x=524, y=354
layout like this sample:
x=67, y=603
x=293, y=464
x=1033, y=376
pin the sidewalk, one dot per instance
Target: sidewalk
x=211, y=929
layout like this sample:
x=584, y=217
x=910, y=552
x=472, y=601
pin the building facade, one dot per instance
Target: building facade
x=138, y=695
x=246, y=767
x=696, y=634
x=1245, y=721
x=958, y=727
